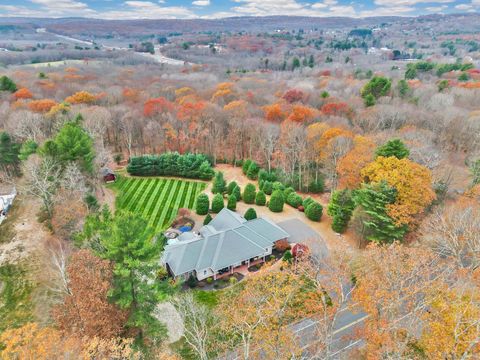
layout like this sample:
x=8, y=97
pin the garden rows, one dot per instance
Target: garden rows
x=157, y=200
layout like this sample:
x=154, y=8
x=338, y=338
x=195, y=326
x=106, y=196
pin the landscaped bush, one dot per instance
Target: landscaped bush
x=237, y=193
x=194, y=166
x=340, y=208
x=202, y=205
x=282, y=245
x=264, y=175
x=192, y=281
x=253, y=170
x=288, y=191
x=231, y=186
x=307, y=202
x=232, y=202
x=277, y=185
x=246, y=165
x=217, y=203
x=207, y=219
x=267, y=187
x=250, y=214
x=260, y=198
x=314, y=211
x=219, y=184
x=294, y=200
x=276, y=201
x=249, y=194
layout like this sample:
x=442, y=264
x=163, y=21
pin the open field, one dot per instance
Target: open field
x=157, y=199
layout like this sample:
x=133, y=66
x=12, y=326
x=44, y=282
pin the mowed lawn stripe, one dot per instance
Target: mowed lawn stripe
x=137, y=195
x=157, y=202
x=144, y=198
x=130, y=192
x=151, y=200
x=167, y=203
x=161, y=203
x=174, y=206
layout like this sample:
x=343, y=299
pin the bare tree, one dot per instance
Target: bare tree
x=268, y=136
x=198, y=321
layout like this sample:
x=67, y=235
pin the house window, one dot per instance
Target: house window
x=204, y=272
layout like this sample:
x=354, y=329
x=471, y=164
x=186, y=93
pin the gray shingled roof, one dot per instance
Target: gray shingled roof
x=227, y=240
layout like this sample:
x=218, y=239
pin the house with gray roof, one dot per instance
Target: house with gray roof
x=227, y=242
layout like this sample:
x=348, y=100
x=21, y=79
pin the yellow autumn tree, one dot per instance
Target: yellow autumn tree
x=452, y=324
x=412, y=181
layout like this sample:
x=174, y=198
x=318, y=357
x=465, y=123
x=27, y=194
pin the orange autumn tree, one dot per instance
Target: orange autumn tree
x=41, y=106
x=349, y=167
x=33, y=342
x=412, y=181
x=337, y=109
x=301, y=114
x=22, y=93
x=86, y=311
x=274, y=112
x=156, y=106
x=326, y=138
x=81, y=97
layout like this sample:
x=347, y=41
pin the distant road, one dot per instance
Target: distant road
x=158, y=56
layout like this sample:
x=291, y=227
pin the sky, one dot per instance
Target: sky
x=186, y=9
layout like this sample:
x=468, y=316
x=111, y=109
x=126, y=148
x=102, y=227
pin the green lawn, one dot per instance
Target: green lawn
x=156, y=199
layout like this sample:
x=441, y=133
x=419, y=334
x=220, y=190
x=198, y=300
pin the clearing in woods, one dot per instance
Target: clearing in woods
x=156, y=199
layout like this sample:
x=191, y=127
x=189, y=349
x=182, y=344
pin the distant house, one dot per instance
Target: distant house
x=108, y=175
x=227, y=242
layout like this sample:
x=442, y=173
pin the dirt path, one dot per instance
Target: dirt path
x=28, y=234
x=333, y=240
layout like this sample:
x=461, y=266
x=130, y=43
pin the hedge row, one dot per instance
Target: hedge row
x=194, y=166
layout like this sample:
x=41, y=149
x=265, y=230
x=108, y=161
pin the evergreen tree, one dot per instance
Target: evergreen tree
x=9, y=155
x=314, y=211
x=232, y=203
x=371, y=202
x=294, y=200
x=295, y=63
x=377, y=87
x=7, y=84
x=202, y=205
x=340, y=208
x=129, y=243
x=246, y=164
x=260, y=198
x=403, y=88
x=219, y=183
x=311, y=61
x=217, y=203
x=369, y=100
x=249, y=194
x=250, y=214
x=28, y=148
x=237, y=193
x=267, y=187
x=276, y=201
x=253, y=170
x=207, y=219
x=394, y=147
x=231, y=186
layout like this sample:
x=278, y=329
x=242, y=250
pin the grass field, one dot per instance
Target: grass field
x=156, y=199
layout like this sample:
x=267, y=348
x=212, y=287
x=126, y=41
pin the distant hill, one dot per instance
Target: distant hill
x=99, y=27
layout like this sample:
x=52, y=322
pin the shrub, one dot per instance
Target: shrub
x=287, y=257
x=194, y=166
x=202, y=204
x=369, y=100
x=219, y=183
x=267, y=187
x=209, y=280
x=192, y=281
x=237, y=193
x=307, y=202
x=260, y=198
x=207, y=219
x=6, y=84
x=249, y=194
x=294, y=200
x=246, y=166
x=231, y=186
x=282, y=245
x=288, y=191
x=264, y=175
x=233, y=280
x=340, y=208
x=91, y=202
x=314, y=211
x=117, y=158
x=250, y=214
x=277, y=185
x=232, y=203
x=276, y=202
x=253, y=170
x=317, y=186
x=217, y=203
x=377, y=87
